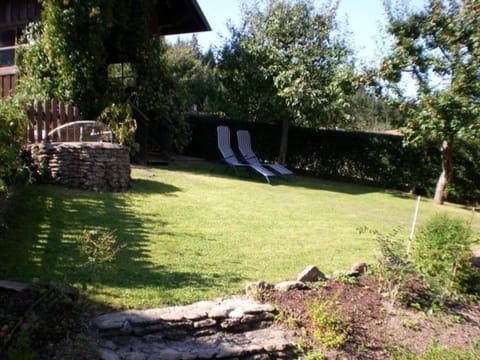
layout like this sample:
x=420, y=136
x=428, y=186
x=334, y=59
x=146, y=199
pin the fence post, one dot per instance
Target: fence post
x=39, y=120
x=31, y=124
x=54, y=120
x=48, y=115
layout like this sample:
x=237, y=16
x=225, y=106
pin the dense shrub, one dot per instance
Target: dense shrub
x=371, y=158
x=12, y=138
x=434, y=268
x=465, y=185
x=441, y=255
x=378, y=159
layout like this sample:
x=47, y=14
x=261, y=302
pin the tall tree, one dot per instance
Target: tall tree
x=286, y=63
x=369, y=112
x=195, y=75
x=439, y=47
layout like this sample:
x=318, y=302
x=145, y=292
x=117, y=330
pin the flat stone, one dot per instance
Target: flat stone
x=311, y=274
x=290, y=285
x=204, y=323
x=13, y=285
x=110, y=321
x=253, y=288
x=107, y=354
x=107, y=344
x=250, y=308
x=134, y=356
x=359, y=268
x=220, y=345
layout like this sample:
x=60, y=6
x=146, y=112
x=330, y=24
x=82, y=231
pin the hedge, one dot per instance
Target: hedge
x=369, y=158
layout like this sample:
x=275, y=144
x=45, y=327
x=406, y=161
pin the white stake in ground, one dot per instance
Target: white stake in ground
x=414, y=223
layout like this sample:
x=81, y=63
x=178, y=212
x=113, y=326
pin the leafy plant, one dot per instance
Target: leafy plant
x=392, y=266
x=442, y=257
x=97, y=250
x=314, y=355
x=119, y=118
x=330, y=327
x=397, y=272
x=12, y=137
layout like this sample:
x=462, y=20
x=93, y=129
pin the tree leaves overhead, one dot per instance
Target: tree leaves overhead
x=287, y=54
x=439, y=48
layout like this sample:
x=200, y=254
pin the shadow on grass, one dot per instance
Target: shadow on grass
x=218, y=169
x=144, y=186
x=46, y=224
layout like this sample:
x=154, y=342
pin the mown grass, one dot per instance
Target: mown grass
x=192, y=235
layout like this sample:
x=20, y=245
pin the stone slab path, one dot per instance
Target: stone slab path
x=236, y=328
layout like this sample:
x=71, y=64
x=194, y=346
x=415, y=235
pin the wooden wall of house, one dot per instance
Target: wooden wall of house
x=18, y=12
x=8, y=83
x=14, y=16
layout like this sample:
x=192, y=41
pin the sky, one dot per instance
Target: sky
x=363, y=19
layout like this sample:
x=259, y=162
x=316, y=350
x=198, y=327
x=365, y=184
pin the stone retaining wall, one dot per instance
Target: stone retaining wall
x=236, y=328
x=86, y=165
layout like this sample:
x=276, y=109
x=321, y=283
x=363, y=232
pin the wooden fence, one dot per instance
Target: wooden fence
x=47, y=116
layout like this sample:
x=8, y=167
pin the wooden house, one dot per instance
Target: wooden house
x=170, y=17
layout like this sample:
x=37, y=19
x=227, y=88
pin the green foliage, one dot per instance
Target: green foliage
x=98, y=248
x=442, y=257
x=314, y=355
x=12, y=138
x=66, y=56
x=330, y=327
x=371, y=113
x=196, y=77
x=97, y=251
x=464, y=187
x=370, y=158
x=158, y=95
x=440, y=47
x=119, y=118
x=437, y=351
x=438, y=268
x=392, y=265
x=286, y=65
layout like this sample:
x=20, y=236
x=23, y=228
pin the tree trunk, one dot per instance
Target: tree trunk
x=282, y=158
x=447, y=170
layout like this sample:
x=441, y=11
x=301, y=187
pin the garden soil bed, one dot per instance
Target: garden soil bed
x=60, y=326
x=377, y=325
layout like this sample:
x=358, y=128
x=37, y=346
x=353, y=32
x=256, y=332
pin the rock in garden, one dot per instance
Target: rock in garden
x=359, y=268
x=291, y=285
x=311, y=274
x=253, y=288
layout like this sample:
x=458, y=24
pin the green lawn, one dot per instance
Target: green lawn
x=192, y=235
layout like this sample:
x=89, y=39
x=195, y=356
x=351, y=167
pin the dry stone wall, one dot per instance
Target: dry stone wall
x=85, y=165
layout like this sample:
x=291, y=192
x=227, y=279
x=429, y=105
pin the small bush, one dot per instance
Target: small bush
x=12, y=138
x=119, y=118
x=441, y=254
x=97, y=251
x=330, y=327
x=394, y=270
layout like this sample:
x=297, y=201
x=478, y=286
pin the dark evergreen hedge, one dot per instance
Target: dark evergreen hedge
x=370, y=158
